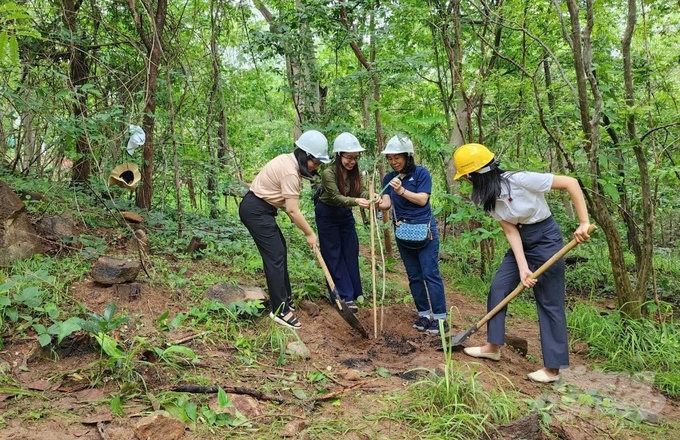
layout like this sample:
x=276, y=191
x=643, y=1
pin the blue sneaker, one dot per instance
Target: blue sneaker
x=433, y=329
x=422, y=324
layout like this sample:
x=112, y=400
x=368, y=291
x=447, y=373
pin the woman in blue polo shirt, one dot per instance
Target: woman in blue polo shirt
x=408, y=193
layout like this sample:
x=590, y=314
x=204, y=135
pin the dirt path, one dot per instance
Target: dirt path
x=63, y=405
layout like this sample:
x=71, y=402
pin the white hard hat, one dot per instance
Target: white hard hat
x=346, y=143
x=315, y=143
x=398, y=145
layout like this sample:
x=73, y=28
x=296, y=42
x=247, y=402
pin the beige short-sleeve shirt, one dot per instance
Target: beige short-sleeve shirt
x=279, y=180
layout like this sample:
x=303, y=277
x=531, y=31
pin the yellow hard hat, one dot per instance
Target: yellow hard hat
x=470, y=158
x=125, y=175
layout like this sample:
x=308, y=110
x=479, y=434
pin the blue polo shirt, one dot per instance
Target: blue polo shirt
x=418, y=181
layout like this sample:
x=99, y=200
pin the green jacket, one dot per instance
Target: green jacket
x=330, y=194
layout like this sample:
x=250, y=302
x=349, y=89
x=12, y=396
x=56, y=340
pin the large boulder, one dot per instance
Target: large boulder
x=18, y=238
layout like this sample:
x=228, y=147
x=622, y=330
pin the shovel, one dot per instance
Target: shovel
x=460, y=337
x=339, y=303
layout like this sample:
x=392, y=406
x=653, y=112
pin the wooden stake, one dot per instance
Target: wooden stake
x=371, y=212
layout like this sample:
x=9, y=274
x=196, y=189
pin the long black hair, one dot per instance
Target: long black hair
x=353, y=175
x=302, y=157
x=486, y=187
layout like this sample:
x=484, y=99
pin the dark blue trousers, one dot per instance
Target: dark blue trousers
x=339, y=246
x=425, y=281
x=541, y=241
x=260, y=219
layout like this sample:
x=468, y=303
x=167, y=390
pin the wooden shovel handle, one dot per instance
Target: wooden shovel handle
x=329, y=278
x=569, y=246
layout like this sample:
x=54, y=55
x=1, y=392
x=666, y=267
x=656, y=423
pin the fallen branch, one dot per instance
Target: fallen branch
x=334, y=394
x=233, y=390
x=188, y=338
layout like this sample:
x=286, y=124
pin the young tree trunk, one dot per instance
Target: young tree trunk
x=302, y=69
x=79, y=70
x=153, y=43
x=629, y=299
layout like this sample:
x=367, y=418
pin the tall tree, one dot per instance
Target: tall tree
x=590, y=105
x=151, y=34
x=79, y=72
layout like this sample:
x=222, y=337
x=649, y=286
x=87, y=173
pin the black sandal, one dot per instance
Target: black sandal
x=289, y=320
x=352, y=306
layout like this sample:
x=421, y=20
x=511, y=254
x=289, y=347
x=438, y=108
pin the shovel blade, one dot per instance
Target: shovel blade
x=346, y=314
x=460, y=337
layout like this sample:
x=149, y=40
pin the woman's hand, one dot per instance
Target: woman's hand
x=581, y=234
x=363, y=203
x=311, y=240
x=526, y=281
x=396, y=184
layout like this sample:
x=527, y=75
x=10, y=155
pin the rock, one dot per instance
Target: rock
x=580, y=348
x=253, y=293
x=131, y=217
x=350, y=374
x=229, y=294
x=293, y=428
x=311, y=308
x=526, y=428
x=650, y=417
x=109, y=271
x=298, y=348
x=62, y=226
x=246, y=405
x=128, y=291
x=159, y=426
x=18, y=237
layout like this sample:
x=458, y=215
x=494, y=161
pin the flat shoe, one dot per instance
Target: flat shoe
x=291, y=322
x=541, y=376
x=476, y=352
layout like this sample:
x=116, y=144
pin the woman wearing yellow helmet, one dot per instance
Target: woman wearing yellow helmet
x=517, y=200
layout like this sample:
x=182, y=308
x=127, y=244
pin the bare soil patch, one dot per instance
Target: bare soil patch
x=63, y=403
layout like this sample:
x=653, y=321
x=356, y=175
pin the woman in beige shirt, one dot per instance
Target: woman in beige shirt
x=277, y=185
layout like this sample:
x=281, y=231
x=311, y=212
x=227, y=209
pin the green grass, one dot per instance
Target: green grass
x=456, y=405
x=632, y=346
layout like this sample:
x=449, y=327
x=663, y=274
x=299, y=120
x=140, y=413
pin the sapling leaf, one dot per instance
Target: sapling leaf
x=110, y=311
x=63, y=329
x=300, y=394
x=44, y=339
x=382, y=372
x=223, y=398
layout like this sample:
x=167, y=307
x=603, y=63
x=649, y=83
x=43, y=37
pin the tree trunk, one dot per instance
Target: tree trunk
x=302, y=69
x=79, y=70
x=629, y=299
x=153, y=44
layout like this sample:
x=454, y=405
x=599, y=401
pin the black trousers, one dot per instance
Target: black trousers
x=260, y=219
